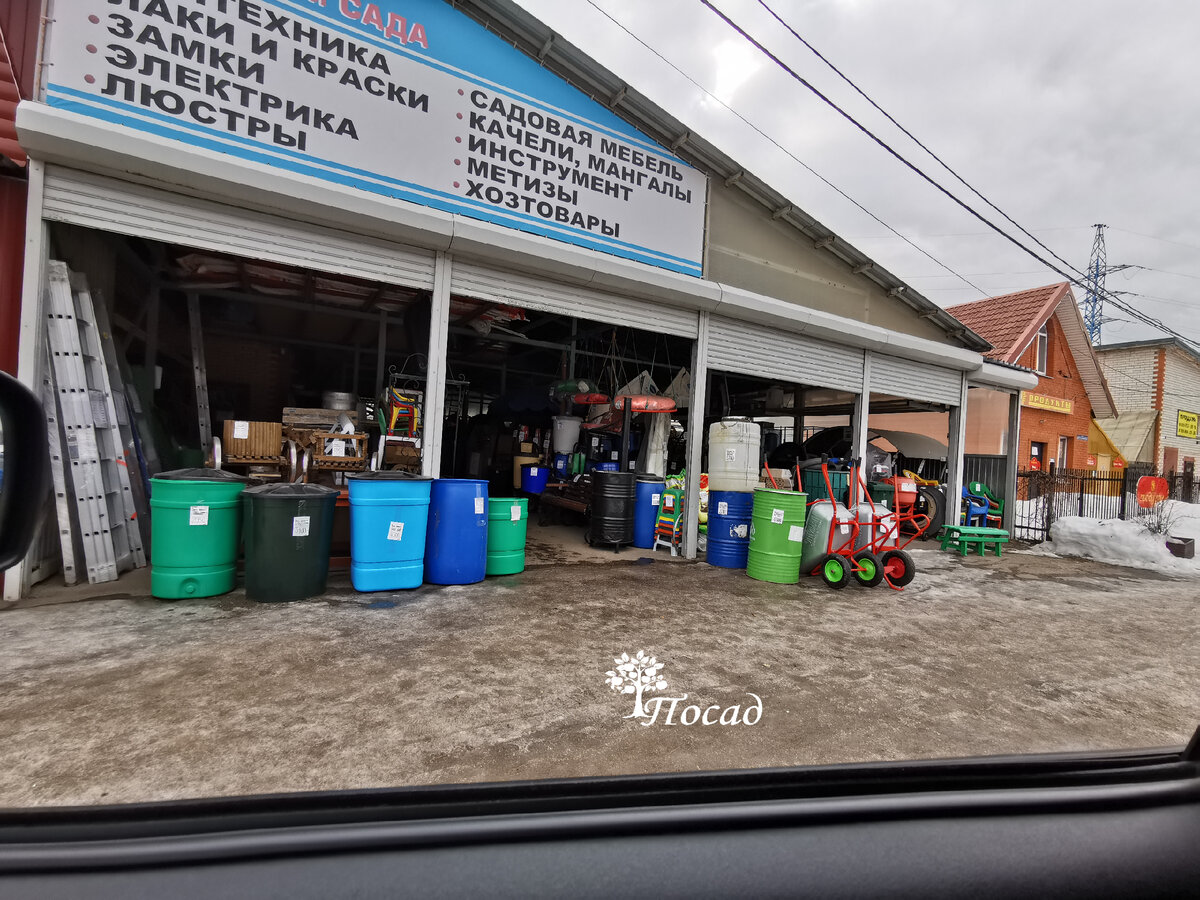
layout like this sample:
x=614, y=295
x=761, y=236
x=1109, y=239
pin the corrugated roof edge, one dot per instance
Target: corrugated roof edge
x=1152, y=342
x=532, y=37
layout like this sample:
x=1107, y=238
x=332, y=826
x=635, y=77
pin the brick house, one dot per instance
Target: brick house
x=1156, y=385
x=1042, y=329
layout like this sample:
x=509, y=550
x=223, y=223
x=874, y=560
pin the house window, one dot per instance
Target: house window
x=1043, y=346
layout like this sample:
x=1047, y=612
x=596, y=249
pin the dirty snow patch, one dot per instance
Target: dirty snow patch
x=1125, y=543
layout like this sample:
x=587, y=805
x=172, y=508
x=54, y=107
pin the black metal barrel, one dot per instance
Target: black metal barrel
x=613, y=499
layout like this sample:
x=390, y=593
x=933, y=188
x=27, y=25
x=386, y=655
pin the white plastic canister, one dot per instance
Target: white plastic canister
x=566, y=433
x=733, y=463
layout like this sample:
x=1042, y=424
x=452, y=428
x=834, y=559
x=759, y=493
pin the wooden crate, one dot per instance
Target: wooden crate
x=352, y=458
x=246, y=442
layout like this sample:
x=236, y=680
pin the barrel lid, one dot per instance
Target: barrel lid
x=199, y=475
x=655, y=479
x=283, y=491
x=387, y=475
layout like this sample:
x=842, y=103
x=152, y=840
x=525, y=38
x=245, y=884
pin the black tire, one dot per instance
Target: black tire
x=898, y=568
x=931, y=501
x=869, y=570
x=835, y=571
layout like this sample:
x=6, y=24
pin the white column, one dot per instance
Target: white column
x=435, y=380
x=862, y=410
x=954, y=456
x=1010, y=464
x=31, y=342
x=696, y=407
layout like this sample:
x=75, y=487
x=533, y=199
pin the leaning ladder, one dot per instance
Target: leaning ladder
x=59, y=476
x=107, y=418
x=96, y=494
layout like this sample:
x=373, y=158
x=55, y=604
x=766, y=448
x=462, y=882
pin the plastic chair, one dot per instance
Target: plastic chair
x=976, y=511
x=995, y=513
x=668, y=527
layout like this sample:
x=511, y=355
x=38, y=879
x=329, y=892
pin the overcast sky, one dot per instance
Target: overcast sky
x=1063, y=113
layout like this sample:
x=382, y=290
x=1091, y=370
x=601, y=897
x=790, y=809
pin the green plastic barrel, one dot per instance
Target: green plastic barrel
x=288, y=531
x=776, y=536
x=508, y=518
x=195, y=529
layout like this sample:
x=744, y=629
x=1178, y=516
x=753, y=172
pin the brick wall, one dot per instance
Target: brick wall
x=1131, y=377
x=1181, y=390
x=1061, y=380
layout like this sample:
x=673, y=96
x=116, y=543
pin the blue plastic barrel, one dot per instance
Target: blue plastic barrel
x=645, y=510
x=729, y=514
x=456, y=541
x=562, y=464
x=534, y=478
x=388, y=516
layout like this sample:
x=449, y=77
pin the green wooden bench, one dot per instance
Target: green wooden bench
x=964, y=538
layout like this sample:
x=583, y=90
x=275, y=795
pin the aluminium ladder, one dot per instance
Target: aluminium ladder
x=99, y=484
x=59, y=476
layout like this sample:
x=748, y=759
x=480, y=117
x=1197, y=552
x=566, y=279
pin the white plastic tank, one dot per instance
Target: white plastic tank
x=566, y=433
x=733, y=463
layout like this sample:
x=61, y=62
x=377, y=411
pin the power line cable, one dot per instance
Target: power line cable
x=945, y=165
x=1073, y=279
x=789, y=153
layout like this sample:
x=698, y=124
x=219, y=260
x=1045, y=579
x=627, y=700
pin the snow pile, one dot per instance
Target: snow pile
x=1126, y=543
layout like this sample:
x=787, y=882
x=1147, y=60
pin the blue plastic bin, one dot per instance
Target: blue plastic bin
x=456, y=540
x=534, y=478
x=389, y=512
x=645, y=510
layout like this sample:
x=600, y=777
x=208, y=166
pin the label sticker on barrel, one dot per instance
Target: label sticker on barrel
x=198, y=515
x=730, y=454
x=532, y=474
x=300, y=526
x=241, y=431
x=395, y=531
x=739, y=531
x=844, y=529
x=616, y=454
x=516, y=514
x=654, y=499
x=722, y=508
x=479, y=501
x=777, y=517
x=796, y=533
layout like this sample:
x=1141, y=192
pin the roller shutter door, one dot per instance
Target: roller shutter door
x=483, y=282
x=757, y=350
x=914, y=380
x=95, y=201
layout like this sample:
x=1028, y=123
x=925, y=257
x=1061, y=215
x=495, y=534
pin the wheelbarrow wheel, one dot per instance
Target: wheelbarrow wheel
x=868, y=570
x=898, y=568
x=835, y=572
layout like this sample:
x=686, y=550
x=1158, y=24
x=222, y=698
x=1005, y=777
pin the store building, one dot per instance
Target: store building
x=450, y=191
x=1156, y=384
x=1041, y=330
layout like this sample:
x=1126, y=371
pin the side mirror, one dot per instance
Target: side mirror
x=24, y=469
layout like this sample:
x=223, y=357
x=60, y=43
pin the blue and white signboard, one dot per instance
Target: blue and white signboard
x=405, y=98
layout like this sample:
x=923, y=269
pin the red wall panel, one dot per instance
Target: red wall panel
x=13, y=194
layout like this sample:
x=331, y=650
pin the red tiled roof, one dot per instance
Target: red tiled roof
x=10, y=96
x=1009, y=322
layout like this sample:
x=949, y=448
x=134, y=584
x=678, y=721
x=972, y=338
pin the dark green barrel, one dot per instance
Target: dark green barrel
x=288, y=530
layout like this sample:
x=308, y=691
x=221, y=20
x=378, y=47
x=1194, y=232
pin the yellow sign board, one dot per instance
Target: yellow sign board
x=1186, y=424
x=1050, y=404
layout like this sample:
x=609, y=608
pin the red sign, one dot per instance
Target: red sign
x=1118, y=463
x=1151, y=491
x=1035, y=465
x=1091, y=460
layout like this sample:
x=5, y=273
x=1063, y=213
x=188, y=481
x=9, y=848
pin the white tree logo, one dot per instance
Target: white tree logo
x=634, y=676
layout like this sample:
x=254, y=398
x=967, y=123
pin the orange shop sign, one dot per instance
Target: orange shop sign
x=1050, y=404
x=1151, y=491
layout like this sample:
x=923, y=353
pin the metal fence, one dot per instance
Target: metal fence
x=1044, y=496
x=988, y=470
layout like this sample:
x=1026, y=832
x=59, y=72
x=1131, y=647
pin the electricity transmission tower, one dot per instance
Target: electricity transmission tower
x=1093, y=303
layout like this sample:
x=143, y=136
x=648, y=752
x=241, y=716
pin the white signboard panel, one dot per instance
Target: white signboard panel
x=406, y=98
